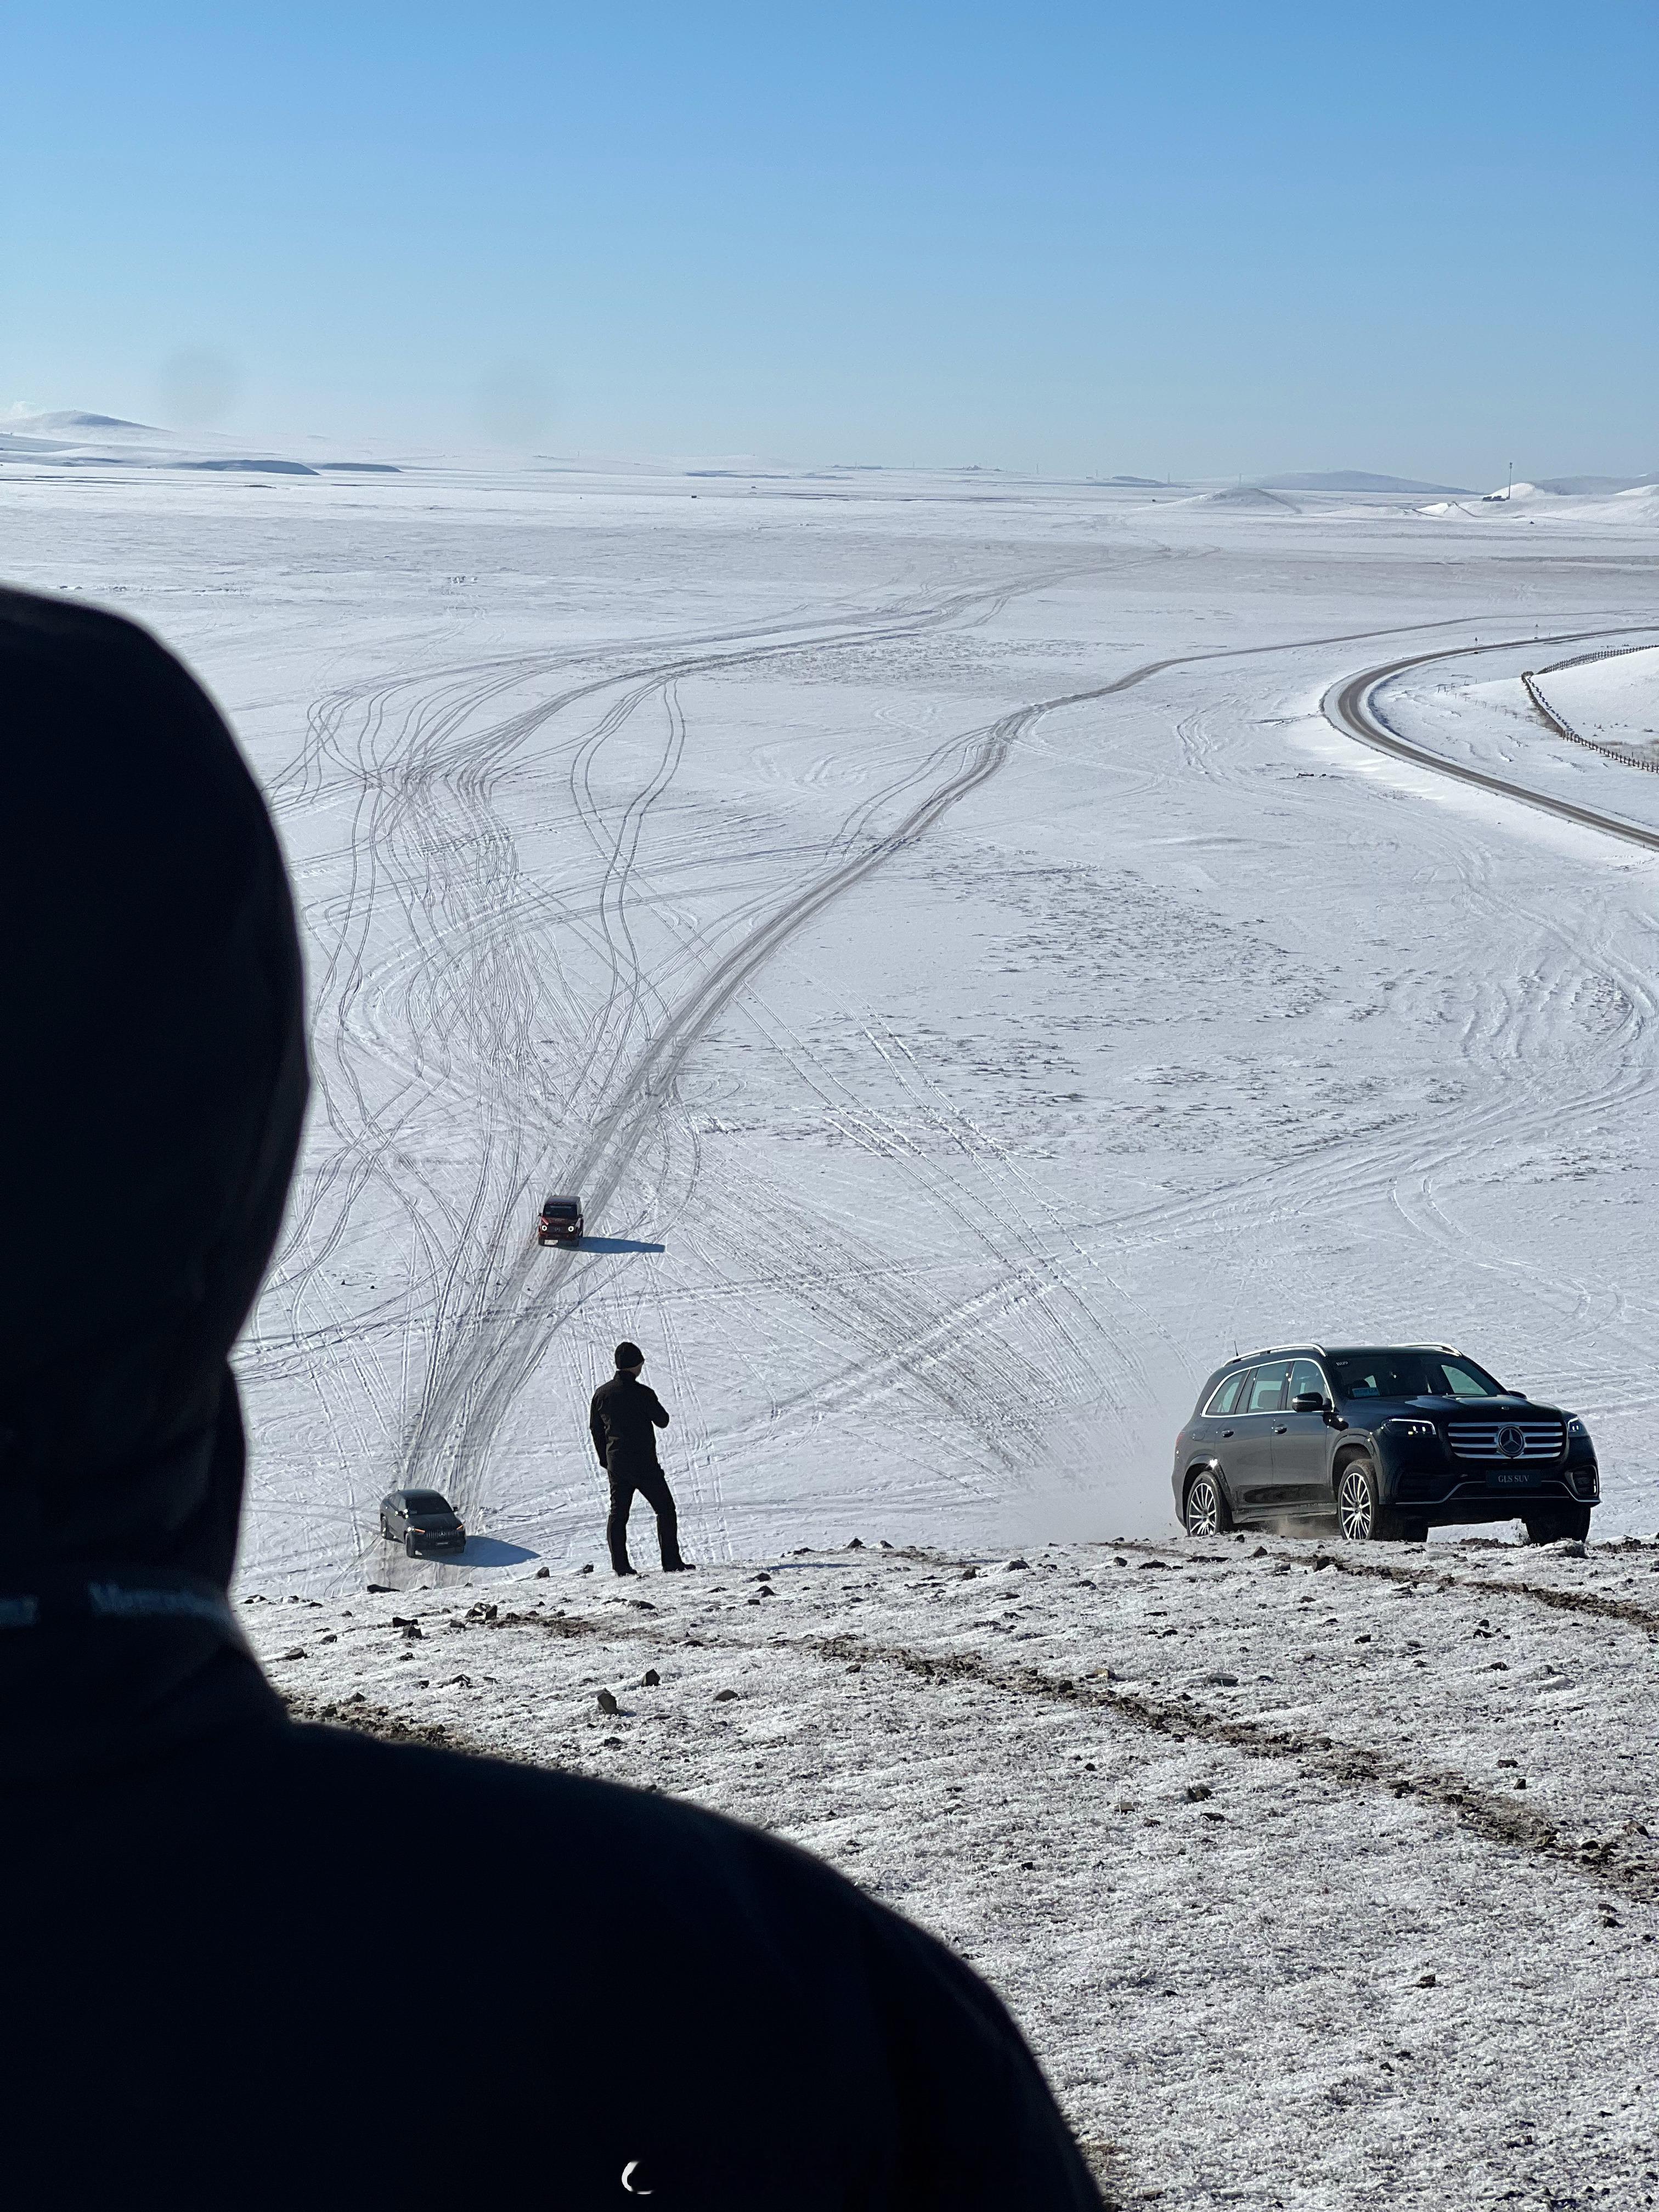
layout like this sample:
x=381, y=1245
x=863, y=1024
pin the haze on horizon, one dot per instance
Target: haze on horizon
x=1201, y=242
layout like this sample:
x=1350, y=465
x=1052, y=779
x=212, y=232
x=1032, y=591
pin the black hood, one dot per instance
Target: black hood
x=155, y=1081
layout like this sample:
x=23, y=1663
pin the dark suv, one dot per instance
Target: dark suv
x=560, y=1221
x=421, y=1521
x=1382, y=1439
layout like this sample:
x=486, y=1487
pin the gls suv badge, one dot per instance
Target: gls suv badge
x=1510, y=1442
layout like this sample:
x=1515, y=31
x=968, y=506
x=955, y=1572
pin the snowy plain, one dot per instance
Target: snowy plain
x=931, y=921
x=975, y=990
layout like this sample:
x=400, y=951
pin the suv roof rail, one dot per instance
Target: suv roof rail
x=1265, y=1350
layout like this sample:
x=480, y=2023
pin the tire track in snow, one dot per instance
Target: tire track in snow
x=1591, y=1603
x=1480, y=1812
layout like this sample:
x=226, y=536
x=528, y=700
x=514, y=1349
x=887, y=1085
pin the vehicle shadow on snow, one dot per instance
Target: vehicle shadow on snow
x=490, y=1551
x=617, y=1244
x=477, y=1552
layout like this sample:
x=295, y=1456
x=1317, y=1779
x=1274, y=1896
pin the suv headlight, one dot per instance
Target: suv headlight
x=1576, y=1428
x=1420, y=1431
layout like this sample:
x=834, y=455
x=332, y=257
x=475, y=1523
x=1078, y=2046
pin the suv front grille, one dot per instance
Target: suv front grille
x=1502, y=1442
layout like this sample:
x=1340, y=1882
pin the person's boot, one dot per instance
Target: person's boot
x=679, y=1566
x=624, y=1569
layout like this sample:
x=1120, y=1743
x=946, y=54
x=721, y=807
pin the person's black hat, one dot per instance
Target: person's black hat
x=629, y=1355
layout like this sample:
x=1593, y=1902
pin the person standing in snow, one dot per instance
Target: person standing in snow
x=622, y=1421
x=190, y=1868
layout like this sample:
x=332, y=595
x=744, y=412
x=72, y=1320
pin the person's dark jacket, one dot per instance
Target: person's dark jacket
x=622, y=1421
x=247, y=1963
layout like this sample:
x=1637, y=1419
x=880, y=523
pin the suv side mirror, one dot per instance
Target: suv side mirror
x=1308, y=1401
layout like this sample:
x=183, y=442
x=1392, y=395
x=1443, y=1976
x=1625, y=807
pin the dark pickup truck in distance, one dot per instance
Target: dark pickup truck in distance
x=560, y=1221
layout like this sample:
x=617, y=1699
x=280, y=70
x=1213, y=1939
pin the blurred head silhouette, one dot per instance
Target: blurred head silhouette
x=155, y=1089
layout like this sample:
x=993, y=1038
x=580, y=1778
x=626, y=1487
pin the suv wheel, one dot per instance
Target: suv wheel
x=1206, y=1513
x=409, y=1547
x=1358, y=1508
x=1550, y=1527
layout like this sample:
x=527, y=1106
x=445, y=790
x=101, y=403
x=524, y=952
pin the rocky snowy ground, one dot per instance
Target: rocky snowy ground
x=1318, y=1874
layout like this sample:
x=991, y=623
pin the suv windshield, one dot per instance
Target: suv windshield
x=1411, y=1375
x=426, y=1501
x=560, y=1205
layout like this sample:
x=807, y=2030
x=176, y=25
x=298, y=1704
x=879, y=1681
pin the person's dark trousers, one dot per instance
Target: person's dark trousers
x=651, y=1484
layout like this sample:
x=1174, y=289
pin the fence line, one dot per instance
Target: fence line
x=1565, y=729
x=1583, y=660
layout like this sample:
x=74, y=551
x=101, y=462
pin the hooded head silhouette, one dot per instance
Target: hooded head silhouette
x=151, y=1109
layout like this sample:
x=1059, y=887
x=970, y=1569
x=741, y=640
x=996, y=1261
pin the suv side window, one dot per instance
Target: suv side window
x=1267, y=1388
x=1305, y=1374
x=1223, y=1400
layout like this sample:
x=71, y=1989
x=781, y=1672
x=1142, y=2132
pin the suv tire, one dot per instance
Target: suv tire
x=1206, y=1510
x=411, y=1548
x=1361, y=1512
x=1549, y=1527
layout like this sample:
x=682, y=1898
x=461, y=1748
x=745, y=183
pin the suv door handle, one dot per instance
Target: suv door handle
x=1226, y=1432
x=1280, y=1431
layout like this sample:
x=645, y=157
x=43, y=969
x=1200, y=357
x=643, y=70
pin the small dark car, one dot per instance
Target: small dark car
x=1384, y=1440
x=560, y=1221
x=421, y=1521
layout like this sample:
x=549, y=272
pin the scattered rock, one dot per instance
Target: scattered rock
x=1015, y=1564
x=970, y=1574
x=607, y=1703
x=857, y=1544
x=297, y=1653
x=1260, y=1552
x=412, y=1632
x=587, y=1570
x=542, y=1574
x=378, y=1589
x=330, y=1637
x=1198, y=1791
x=1425, y=1981
x=1508, y=1762
x=458, y=1682
x=650, y=1678
x=611, y=1743
x=1164, y=1563
x=724, y=1697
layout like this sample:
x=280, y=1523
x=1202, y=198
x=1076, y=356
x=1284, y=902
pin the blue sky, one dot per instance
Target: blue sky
x=1182, y=238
